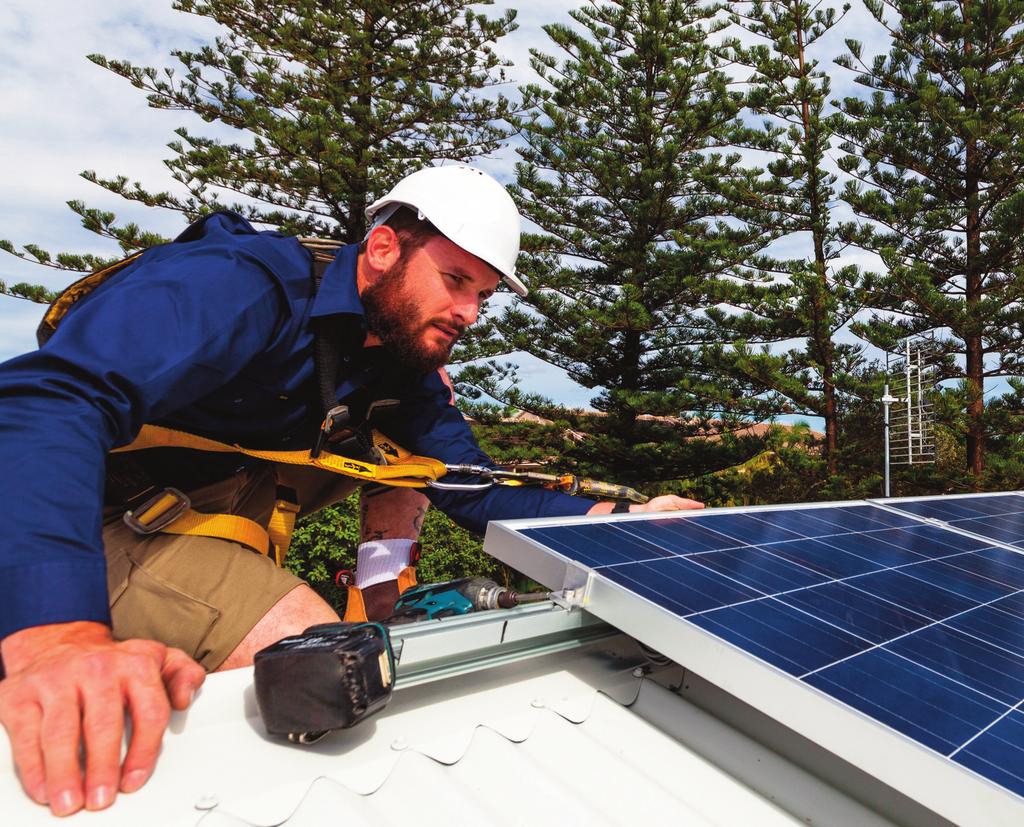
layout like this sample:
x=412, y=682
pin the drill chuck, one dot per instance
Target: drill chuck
x=486, y=594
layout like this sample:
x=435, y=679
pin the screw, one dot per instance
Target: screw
x=399, y=744
x=538, y=703
x=207, y=802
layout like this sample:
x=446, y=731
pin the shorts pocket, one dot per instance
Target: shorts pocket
x=152, y=608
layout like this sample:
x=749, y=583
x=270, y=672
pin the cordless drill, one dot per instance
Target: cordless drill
x=457, y=597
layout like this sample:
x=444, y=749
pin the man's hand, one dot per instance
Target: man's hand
x=68, y=684
x=666, y=502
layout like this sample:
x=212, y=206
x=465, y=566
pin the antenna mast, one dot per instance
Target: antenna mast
x=909, y=420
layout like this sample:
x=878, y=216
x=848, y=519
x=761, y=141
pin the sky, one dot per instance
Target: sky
x=62, y=114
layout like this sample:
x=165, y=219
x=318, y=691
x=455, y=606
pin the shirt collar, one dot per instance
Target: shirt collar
x=338, y=291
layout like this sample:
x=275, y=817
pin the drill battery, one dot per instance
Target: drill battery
x=331, y=676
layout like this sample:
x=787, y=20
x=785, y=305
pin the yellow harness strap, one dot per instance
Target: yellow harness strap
x=281, y=526
x=408, y=471
x=355, y=608
x=152, y=517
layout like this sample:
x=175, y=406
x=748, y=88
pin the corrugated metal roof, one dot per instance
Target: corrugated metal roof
x=567, y=738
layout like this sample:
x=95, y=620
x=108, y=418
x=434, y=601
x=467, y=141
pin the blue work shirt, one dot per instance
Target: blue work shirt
x=209, y=334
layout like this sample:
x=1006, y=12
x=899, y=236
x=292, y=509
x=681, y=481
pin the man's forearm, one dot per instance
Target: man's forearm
x=391, y=514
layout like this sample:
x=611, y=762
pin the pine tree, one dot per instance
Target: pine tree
x=815, y=297
x=332, y=101
x=937, y=152
x=620, y=173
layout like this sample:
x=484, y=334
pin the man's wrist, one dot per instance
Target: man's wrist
x=609, y=507
x=26, y=645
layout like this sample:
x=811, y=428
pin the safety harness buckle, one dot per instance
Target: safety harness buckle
x=158, y=512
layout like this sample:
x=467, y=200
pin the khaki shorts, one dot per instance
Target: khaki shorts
x=200, y=594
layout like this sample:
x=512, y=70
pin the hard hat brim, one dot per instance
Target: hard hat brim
x=517, y=285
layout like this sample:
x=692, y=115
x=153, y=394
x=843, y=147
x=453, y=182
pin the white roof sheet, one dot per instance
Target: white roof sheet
x=561, y=739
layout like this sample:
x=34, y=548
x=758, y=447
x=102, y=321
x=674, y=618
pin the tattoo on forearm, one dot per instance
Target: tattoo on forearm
x=417, y=521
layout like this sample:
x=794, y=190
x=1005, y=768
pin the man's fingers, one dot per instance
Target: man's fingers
x=182, y=676
x=670, y=502
x=59, y=733
x=150, y=711
x=102, y=730
x=23, y=731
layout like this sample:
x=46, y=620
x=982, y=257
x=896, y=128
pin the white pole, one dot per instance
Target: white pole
x=886, y=402
x=909, y=409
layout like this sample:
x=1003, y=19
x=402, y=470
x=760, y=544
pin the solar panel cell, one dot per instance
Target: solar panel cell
x=934, y=542
x=993, y=624
x=746, y=529
x=998, y=753
x=854, y=611
x=680, y=536
x=913, y=594
x=958, y=508
x=680, y=585
x=986, y=668
x=791, y=640
x=822, y=558
x=883, y=548
x=1004, y=529
x=958, y=581
x=596, y=544
x=932, y=709
x=758, y=568
x=861, y=517
x=802, y=522
x=996, y=564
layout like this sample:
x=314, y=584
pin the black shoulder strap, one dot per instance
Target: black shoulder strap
x=327, y=337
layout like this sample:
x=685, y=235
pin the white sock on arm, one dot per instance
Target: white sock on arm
x=380, y=560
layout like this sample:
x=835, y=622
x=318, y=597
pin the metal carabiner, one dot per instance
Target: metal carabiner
x=482, y=471
x=460, y=486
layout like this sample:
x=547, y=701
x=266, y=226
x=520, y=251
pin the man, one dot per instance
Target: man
x=214, y=335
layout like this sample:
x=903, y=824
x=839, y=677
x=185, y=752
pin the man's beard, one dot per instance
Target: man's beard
x=395, y=318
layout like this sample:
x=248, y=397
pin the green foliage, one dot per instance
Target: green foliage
x=621, y=171
x=32, y=292
x=323, y=544
x=811, y=297
x=936, y=155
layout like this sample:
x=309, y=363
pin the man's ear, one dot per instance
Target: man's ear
x=383, y=249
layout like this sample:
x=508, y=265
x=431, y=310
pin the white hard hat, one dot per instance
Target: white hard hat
x=468, y=207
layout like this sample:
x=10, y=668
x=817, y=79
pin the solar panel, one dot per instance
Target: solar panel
x=916, y=626
x=999, y=517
